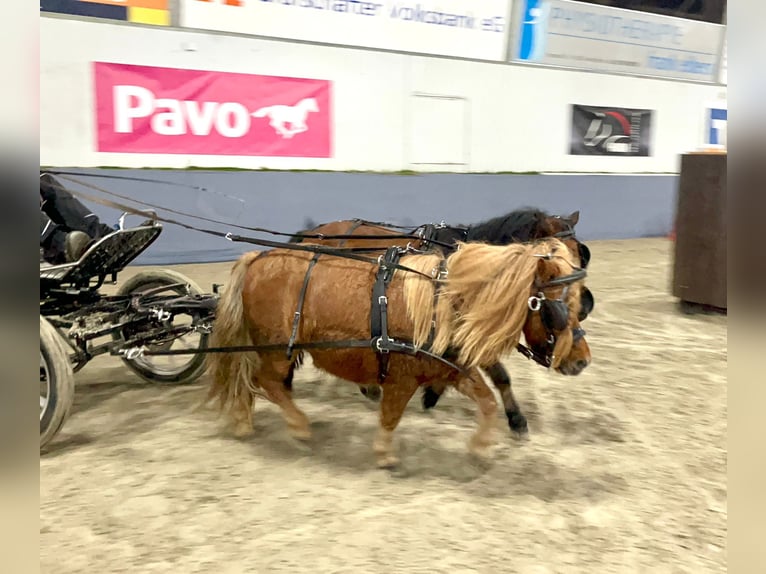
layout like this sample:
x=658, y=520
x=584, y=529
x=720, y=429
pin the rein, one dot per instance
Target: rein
x=344, y=252
x=320, y=236
x=400, y=346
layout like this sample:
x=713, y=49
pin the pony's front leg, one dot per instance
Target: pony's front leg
x=475, y=388
x=502, y=381
x=396, y=395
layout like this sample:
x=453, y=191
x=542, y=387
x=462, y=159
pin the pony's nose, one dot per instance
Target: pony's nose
x=581, y=364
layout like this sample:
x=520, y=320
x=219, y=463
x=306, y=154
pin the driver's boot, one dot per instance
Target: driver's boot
x=75, y=244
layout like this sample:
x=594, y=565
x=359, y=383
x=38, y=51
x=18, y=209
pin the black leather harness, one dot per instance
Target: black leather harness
x=441, y=275
x=297, y=316
x=380, y=340
x=382, y=343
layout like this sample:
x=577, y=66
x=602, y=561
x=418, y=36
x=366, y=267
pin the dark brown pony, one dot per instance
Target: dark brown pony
x=518, y=226
x=521, y=225
x=484, y=305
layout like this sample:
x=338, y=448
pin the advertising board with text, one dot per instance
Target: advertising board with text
x=460, y=28
x=144, y=109
x=587, y=36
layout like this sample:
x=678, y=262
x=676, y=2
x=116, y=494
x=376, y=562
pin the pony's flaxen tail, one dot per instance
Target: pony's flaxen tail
x=232, y=374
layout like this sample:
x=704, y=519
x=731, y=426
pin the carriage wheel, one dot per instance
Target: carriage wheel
x=56, y=382
x=167, y=369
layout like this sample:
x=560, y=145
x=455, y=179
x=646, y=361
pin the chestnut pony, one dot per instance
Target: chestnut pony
x=484, y=304
x=521, y=225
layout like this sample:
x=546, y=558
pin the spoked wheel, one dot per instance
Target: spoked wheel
x=169, y=368
x=56, y=382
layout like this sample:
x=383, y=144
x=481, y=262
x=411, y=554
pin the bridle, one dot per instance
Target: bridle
x=554, y=314
x=569, y=233
x=539, y=303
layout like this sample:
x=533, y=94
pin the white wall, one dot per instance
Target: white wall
x=514, y=118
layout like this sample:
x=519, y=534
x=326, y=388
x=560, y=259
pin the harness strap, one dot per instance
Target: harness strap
x=382, y=343
x=426, y=233
x=350, y=233
x=530, y=354
x=442, y=273
x=304, y=288
x=396, y=346
x=301, y=300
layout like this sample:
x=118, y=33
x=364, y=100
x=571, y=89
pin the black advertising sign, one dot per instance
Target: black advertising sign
x=610, y=131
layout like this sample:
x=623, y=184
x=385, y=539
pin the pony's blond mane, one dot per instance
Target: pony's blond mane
x=482, y=305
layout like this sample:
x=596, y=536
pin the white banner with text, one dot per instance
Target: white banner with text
x=458, y=28
x=579, y=35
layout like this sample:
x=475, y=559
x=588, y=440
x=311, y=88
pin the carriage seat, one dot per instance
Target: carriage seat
x=109, y=255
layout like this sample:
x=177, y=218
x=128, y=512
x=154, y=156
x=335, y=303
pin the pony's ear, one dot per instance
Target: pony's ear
x=574, y=217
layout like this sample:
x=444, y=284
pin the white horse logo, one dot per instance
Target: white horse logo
x=293, y=115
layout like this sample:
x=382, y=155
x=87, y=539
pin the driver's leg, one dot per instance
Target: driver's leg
x=60, y=245
x=67, y=209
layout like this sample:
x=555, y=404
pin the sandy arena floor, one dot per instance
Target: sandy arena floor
x=624, y=469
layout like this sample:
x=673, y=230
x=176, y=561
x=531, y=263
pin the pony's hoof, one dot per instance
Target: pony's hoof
x=301, y=434
x=518, y=424
x=480, y=448
x=430, y=398
x=388, y=461
x=243, y=430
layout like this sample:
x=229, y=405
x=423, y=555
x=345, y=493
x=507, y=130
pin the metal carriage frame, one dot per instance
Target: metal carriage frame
x=76, y=317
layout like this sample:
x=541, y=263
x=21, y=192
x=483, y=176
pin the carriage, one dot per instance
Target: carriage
x=153, y=309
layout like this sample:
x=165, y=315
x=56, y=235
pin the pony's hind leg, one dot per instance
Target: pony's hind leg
x=396, y=395
x=242, y=413
x=275, y=379
x=502, y=381
x=475, y=388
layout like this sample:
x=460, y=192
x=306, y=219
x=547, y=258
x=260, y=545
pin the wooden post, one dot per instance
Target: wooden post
x=699, y=272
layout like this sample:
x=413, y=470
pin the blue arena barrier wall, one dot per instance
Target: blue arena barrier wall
x=611, y=206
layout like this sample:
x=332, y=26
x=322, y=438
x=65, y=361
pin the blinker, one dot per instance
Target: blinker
x=586, y=304
x=554, y=314
x=584, y=252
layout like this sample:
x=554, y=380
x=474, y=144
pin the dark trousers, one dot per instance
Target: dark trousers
x=60, y=213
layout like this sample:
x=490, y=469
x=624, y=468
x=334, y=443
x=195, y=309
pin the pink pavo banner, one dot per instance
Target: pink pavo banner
x=145, y=109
